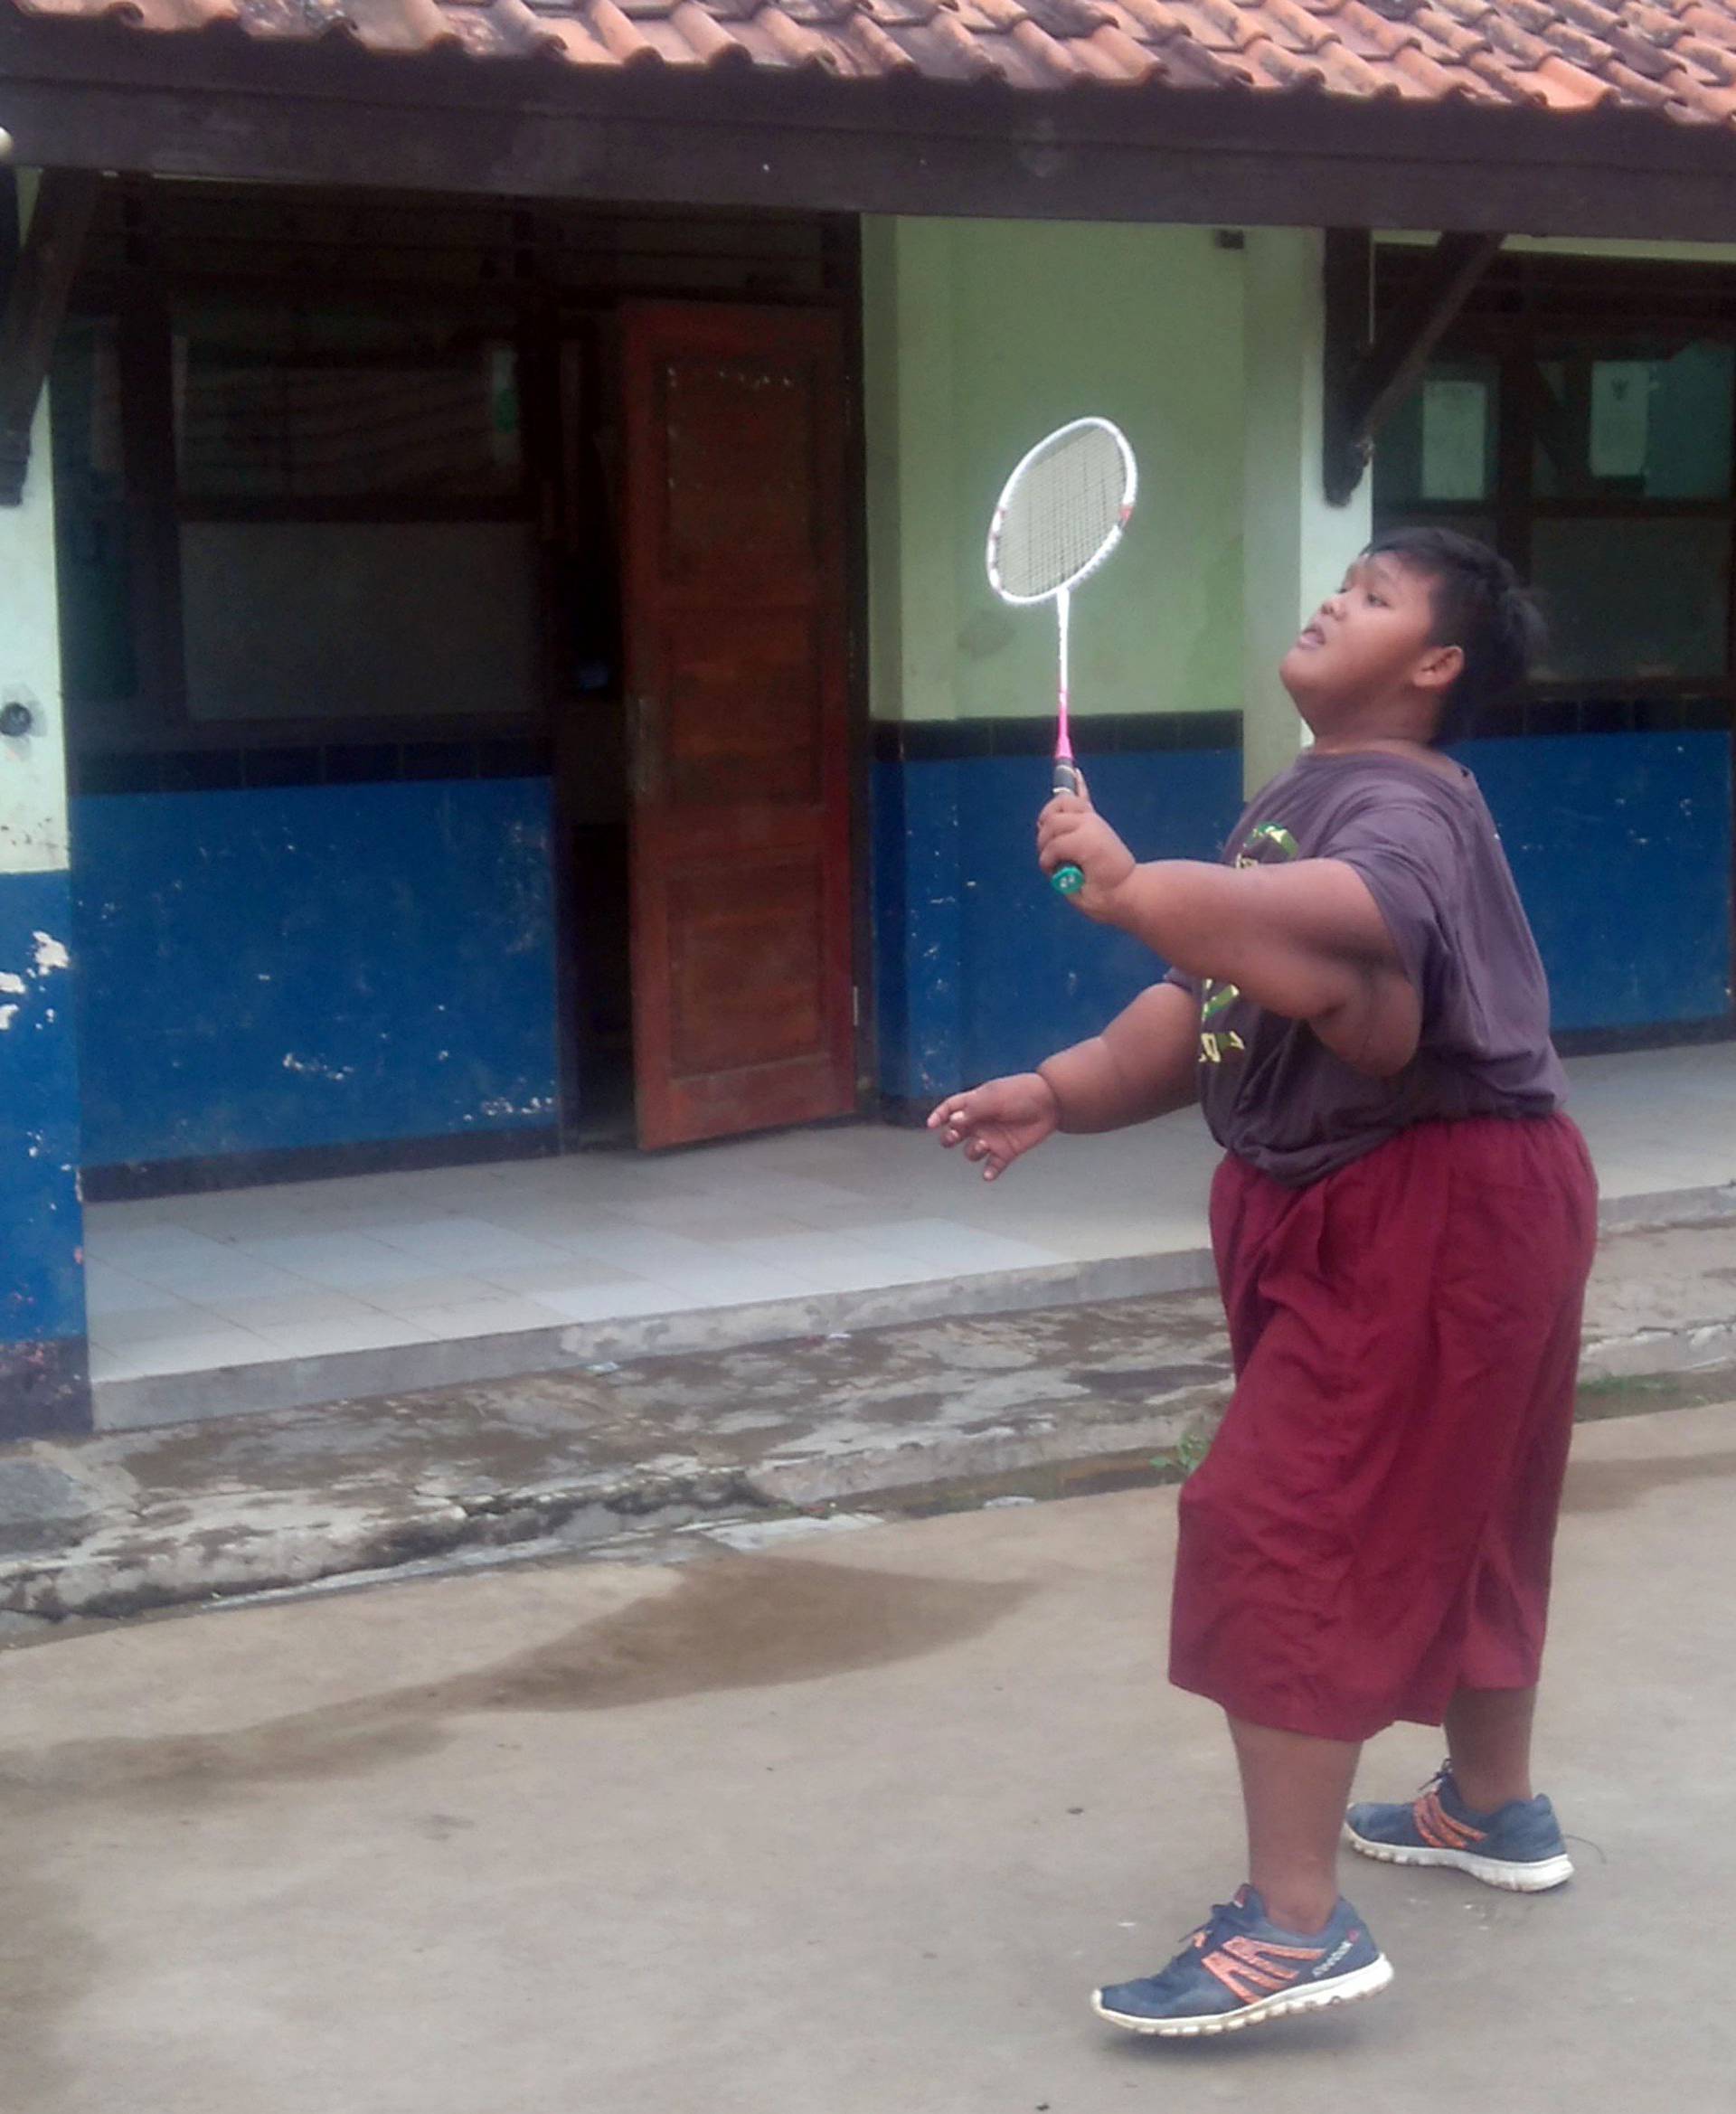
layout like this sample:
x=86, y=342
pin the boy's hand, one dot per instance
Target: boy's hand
x=999, y=1123
x=1071, y=833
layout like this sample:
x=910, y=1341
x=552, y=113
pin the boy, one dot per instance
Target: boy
x=1404, y=1224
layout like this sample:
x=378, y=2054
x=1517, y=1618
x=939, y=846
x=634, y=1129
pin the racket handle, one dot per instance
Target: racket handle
x=1066, y=880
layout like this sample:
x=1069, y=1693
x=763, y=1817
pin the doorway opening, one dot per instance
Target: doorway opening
x=446, y=785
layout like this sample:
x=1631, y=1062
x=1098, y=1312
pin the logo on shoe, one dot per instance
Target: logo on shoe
x=1333, y=1956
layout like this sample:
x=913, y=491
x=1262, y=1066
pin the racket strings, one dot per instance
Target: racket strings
x=1062, y=513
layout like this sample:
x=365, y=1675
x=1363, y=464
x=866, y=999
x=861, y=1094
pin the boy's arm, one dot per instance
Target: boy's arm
x=1143, y=1065
x=1305, y=940
x=1140, y=1066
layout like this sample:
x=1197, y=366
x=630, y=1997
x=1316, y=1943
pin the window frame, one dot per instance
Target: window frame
x=1531, y=307
x=141, y=306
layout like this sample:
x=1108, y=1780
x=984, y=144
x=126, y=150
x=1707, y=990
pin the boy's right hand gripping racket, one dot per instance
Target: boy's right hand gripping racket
x=1059, y=517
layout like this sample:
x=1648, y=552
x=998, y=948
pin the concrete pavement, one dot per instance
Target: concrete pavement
x=850, y=1824
x=209, y=1304
x=133, y=1521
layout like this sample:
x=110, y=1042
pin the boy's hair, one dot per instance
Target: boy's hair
x=1481, y=607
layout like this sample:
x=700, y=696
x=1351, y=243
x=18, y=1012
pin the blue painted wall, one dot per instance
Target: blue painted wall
x=1621, y=844
x=313, y=965
x=41, y=1274
x=1621, y=847
x=982, y=968
x=324, y=966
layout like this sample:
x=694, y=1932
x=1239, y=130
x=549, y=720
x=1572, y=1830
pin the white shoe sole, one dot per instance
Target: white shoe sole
x=1367, y=1981
x=1500, y=1872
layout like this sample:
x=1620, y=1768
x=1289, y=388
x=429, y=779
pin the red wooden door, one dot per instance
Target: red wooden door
x=735, y=637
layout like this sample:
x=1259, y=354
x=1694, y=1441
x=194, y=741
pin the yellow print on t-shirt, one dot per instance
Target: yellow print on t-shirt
x=1216, y=999
x=1268, y=843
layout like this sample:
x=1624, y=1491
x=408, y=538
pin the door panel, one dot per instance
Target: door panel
x=749, y=969
x=735, y=621
x=746, y=720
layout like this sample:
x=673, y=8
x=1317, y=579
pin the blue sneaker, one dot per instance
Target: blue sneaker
x=1238, y=1967
x=1518, y=1846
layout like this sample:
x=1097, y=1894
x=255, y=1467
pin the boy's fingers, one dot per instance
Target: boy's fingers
x=1051, y=839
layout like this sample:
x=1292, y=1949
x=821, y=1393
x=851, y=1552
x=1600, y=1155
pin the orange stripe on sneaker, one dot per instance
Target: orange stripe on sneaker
x=1252, y=1968
x=1438, y=1828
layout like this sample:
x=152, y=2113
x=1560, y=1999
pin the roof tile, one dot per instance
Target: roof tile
x=1699, y=52
x=1567, y=86
x=1677, y=57
x=1452, y=41
x=1366, y=30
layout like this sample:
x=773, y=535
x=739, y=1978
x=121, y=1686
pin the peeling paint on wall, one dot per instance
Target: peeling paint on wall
x=42, y=1298
x=33, y=785
x=311, y=1067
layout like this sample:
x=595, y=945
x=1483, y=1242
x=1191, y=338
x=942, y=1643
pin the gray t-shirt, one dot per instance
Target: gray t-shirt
x=1426, y=845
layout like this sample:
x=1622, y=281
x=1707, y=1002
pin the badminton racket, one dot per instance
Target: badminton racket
x=1058, y=519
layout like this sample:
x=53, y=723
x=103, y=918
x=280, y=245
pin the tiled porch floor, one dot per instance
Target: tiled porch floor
x=186, y=1284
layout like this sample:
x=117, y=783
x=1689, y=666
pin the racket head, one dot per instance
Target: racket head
x=1061, y=512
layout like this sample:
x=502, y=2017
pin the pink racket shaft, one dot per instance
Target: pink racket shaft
x=1066, y=880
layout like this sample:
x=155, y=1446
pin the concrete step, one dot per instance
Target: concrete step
x=740, y=1438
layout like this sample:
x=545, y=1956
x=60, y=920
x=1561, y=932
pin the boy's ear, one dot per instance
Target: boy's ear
x=1439, y=669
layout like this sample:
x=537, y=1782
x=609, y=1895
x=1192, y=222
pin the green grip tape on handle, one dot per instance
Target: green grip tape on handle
x=1066, y=880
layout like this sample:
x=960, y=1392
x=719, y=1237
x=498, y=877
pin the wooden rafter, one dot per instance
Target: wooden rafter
x=1367, y=377
x=35, y=291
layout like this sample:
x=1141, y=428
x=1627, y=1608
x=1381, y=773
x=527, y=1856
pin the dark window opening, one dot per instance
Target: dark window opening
x=1579, y=416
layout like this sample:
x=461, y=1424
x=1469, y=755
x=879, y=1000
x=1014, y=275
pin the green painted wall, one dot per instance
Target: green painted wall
x=980, y=337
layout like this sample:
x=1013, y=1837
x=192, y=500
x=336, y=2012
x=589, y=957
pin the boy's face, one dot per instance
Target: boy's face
x=1369, y=650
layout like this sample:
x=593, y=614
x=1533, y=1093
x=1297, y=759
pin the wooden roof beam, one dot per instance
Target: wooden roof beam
x=38, y=279
x=1367, y=376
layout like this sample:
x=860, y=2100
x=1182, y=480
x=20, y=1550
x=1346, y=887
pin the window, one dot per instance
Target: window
x=341, y=519
x=278, y=403
x=1592, y=443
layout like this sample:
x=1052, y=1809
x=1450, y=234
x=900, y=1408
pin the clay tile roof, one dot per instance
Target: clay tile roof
x=1677, y=57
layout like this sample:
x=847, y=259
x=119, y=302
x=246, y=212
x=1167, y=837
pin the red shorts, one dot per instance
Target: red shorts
x=1372, y=1527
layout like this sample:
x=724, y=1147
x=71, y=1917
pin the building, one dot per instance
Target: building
x=493, y=646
